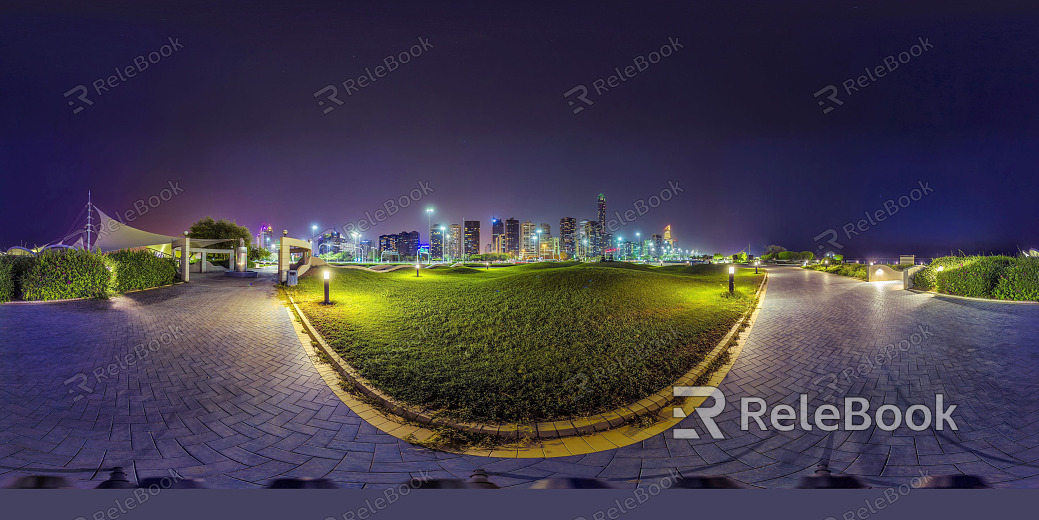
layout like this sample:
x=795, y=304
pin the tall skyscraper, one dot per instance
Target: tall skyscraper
x=657, y=244
x=436, y=241
x=454, y=240
x=667, y=233
x=585, y=238
x=568, y=236
x=546, y=229
x=602, y=214
x=527, y=230
x=512, y=237
x=497, y=236
x=471, y=237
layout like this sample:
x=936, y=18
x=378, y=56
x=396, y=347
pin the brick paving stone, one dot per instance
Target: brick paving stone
x=236, y=400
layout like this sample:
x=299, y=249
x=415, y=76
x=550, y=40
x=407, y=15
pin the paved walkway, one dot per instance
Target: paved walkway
x=231, y=397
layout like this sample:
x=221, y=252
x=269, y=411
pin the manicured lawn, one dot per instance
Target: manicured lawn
x=519, y=343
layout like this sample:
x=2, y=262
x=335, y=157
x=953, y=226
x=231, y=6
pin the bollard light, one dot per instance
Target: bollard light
x=327, y=274
x=941, y=268
x=732, y=275
x=487, y=265
x=417, y=266
x=756, y=263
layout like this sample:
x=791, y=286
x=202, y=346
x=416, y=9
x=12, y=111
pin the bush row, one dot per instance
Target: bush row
x=1000, y=277
x=852, y=270
x=789, y=255
x=72, y=273
x=141, y=269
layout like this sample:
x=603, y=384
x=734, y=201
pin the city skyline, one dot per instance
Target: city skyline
x=758, y=159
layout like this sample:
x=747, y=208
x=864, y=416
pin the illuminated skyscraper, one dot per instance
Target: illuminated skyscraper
x=436, y=241
x=602, y=214
x=471, y=237
x=454, y=240
x=568, y=236
x=497, y=236
x=527, y=230
x=512, y=237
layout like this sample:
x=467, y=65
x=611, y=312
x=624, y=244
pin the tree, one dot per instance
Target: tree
x=773, y=249
x=209, y=228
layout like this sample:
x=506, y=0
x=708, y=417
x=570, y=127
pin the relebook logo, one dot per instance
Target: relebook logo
x=784, y=417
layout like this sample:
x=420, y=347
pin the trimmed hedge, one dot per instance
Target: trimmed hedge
x=1000, y=277
x=67, y=273
x=140, y=270
x=12, y=269
x=1020, y=281
x=850, y=270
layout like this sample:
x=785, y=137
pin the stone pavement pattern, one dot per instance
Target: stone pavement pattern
x=234, y=399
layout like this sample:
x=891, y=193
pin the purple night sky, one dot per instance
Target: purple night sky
x=481, y=116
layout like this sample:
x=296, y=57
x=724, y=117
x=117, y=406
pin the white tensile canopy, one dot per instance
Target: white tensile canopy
x=113, y=235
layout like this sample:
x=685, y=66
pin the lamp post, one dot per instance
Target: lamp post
x=638, y=238
x=732, y=275
x=417, y=266
x=326, y=285
x=756, y=264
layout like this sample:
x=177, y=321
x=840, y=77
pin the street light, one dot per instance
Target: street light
x=732, y=275
x=326, y=285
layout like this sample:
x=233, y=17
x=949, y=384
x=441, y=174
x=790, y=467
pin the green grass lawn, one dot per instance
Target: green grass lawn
x=528, y=342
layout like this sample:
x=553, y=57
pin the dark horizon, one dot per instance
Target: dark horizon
x=732, y=115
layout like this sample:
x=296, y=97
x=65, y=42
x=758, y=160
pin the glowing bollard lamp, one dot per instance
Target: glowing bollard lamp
x=417, y=266
x=732, y=275
x=327, y=274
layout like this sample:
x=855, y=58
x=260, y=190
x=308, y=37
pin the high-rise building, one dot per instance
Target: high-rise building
x=402, y=246
x=656, y=243
x=546, y=230
x=512, y=237
x=602, y=214
x=471, y=237
x=454, y=240
x=365, y=251
x=667, y=233
x=585, y=238
x=595, y=238
x=568, y=236
x=436, y=241
x=527, y=230
x=497, y=236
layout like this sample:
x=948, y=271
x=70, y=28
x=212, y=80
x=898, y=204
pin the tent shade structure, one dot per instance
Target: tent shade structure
x=113, y=236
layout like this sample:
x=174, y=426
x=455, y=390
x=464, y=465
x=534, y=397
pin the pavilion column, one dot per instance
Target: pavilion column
x=185, y=265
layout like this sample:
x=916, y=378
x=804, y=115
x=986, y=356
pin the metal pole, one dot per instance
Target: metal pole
x=326, y=286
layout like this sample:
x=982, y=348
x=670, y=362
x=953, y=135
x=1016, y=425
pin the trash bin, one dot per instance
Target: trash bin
x=292, y=278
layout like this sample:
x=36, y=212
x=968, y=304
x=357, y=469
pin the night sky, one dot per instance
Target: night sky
x=481, y=117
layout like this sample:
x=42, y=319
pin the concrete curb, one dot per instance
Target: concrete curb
x=646, y=407
x=971, y=298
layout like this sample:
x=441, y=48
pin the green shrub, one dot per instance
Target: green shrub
x=1020, y=281
x=68, y=273
x=12, y=269
x=974, y=276
x=140, y=270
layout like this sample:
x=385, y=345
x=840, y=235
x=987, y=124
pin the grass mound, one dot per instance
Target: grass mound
x=524, y=343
